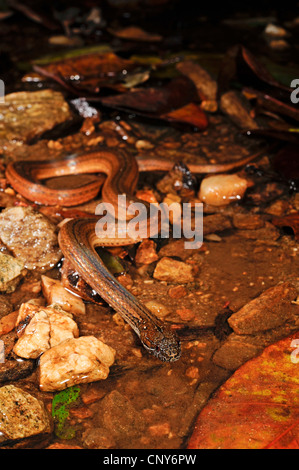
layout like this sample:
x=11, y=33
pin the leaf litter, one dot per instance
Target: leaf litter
x=161, y=88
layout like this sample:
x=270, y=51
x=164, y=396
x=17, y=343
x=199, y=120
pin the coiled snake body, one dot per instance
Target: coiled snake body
x=77, y=237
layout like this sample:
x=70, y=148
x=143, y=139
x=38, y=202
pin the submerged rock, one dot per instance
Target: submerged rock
x=74, y=361
x=41, y=328
x=266, y=319
x=171, y=270
x=120, y=417
x=21, y=416
x=11, y=272
x=220, y=190
x=56, y=294
x=26, y=115
x=270, y=310
x=31, y=237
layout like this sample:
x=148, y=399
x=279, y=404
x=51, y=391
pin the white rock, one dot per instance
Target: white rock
x=220, y=190
x=55, y=293
x=47, y=327
x=74, y=361
x=277, y=31
x=35, y=339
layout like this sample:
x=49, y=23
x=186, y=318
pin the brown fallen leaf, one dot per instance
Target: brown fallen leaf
x=191, y=114
x=272, y=104
x=136, y=34
x=291, y=220
x=34, y=15
x=5, y=14
x=234, y=105
x=206, y=86
x=154, y=101
x=174, y=102
x=88, y=73
x=260, y=71
x=239, y=63
x=257, y=408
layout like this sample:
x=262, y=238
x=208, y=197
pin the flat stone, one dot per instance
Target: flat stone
x=175, y=248
x=235, y=352
x=146, y=252
x=120, y=417
x=21, y=415
x=270, y=310
x=11, y=272
x=171, y=270
x=31, y=237
x=26, y=115
x=248, y=221
x=268, y=232
x=215, y=223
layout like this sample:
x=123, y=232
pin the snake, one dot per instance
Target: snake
x=77, y=237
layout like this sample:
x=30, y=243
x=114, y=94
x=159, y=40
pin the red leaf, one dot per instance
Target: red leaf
x=257, y=407
x=88, y=73
x=189, y=114
x=154, y=101
x=173, y=102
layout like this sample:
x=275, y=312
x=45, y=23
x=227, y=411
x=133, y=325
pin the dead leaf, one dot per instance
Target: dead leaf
x=172, y=102
x=265, y=101
x=206, y=86
x=189, y=114
x=239, y=63
x=136, y=34
x=257, y=408
x=155, y=101
x=260, y=70
x=5, y=14
x=88, y=73
x=291, y=135
x=34, y=15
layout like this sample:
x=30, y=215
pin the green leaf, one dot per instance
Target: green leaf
x=111, y=262
x=69, y=54
x=283, y=74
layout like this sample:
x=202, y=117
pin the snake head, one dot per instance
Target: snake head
x=161, y=342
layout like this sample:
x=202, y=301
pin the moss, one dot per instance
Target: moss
x=61, y=403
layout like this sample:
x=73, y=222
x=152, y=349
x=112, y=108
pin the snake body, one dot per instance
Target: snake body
x=77, y=237
x=77, y=240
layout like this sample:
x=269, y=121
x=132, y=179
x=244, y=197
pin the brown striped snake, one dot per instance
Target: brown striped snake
x=77, y=237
